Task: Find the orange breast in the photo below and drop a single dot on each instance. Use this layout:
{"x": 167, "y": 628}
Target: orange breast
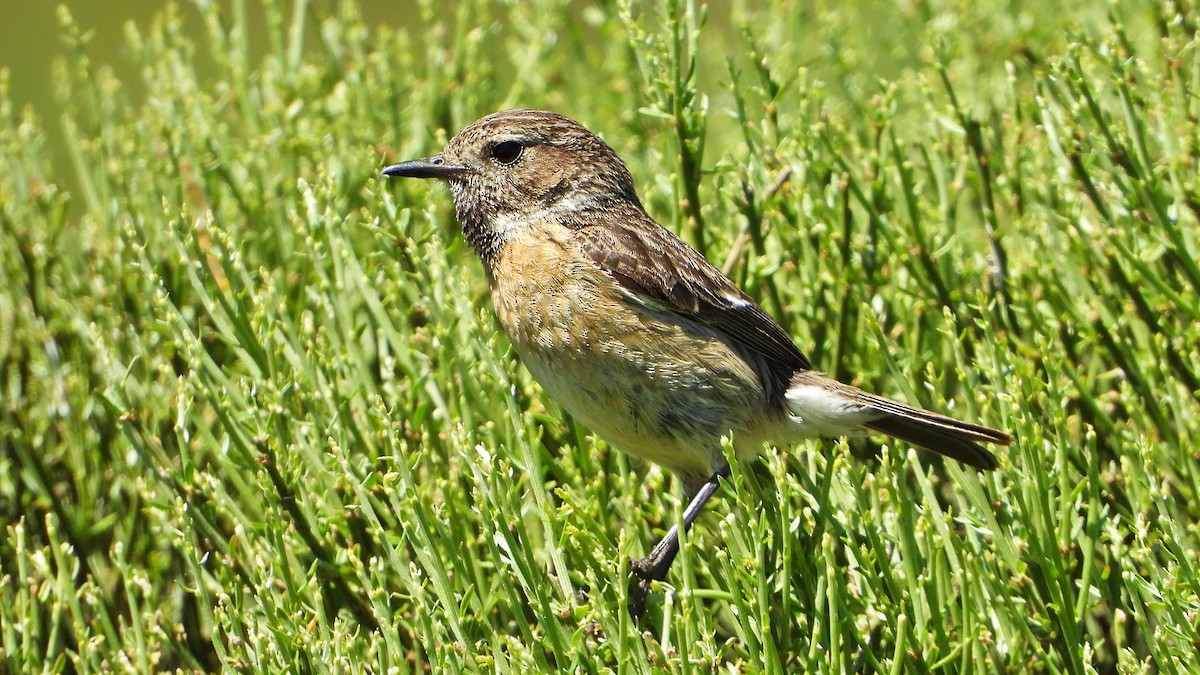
{"x": 649, "y": 382}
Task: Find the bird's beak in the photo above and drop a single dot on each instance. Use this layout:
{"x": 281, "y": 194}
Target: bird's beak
{"x": 430, "y": 167}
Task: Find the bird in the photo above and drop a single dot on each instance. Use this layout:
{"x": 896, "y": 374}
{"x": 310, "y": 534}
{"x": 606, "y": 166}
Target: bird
{"x": 633, "y": 332}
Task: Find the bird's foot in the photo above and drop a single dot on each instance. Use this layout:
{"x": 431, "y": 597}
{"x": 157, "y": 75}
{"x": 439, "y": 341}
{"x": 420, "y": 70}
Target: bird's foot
{"x": 645, "y": 572}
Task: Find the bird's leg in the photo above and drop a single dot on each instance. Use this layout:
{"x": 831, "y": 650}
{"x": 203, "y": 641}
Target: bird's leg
{"x": 654, "y": 567}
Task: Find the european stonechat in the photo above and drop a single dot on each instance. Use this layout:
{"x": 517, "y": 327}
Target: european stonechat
{"x": 632, "y": 331}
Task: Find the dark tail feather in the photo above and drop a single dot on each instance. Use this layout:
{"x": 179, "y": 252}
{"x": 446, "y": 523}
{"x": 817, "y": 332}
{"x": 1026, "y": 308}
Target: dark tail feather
{"x": 932, "y": 431}
{"x": 943, "y": 435}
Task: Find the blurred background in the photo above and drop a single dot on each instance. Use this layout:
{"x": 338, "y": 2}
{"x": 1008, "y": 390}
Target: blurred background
{"x": 852, "y": 48}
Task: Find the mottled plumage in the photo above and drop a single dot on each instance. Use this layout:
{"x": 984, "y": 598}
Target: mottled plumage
{"x": 630, "y": 329}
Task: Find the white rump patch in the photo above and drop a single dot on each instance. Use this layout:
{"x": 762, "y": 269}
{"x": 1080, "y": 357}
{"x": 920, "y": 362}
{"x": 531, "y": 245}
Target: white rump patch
{"x": 817, "y": 411}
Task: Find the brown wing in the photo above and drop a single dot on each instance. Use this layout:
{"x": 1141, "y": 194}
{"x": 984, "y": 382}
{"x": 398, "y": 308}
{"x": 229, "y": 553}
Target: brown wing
{"x": 650, "y": 262}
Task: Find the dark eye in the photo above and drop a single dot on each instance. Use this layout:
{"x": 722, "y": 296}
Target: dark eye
{"x": 507, "y": 152}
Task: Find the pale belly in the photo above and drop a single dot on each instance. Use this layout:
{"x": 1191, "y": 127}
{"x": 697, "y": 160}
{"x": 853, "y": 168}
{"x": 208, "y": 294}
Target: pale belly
{"x": 649, "y": 383}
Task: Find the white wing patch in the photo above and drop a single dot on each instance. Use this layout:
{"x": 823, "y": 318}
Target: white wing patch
{"x": 817, "y": 411}
{"x": 734, "y": 301}
{"x": 644, "y": 301}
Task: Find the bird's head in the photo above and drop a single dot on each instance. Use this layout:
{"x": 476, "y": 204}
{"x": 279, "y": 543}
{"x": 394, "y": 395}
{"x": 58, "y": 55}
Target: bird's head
{"x": 513, "y": 167}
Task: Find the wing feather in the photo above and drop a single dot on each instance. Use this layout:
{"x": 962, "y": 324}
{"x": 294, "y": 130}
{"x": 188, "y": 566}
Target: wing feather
{"x": 651, "y": 262}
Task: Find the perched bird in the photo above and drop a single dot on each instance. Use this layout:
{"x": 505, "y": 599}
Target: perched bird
{"x": 631, "y": 330}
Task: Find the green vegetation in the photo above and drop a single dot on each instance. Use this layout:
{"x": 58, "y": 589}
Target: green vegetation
{"x": 255, "y": 414}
